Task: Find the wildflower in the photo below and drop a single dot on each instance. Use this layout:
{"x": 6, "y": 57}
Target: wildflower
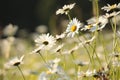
{"x": 73, "y": 27}
{"x": 65, "y": 9}
{"x": 58, "y": 48}
{"x": 94, "y": 24}
{"x": 81, "y": 63}
{"x": 45, "y": 42}
{"x": 111, "y": 7}
{"x": 71, "y": 51}
{"x": 60, "y": 37}
{"x": 43, "y": 76}
{"x": 53, "y": 66}
{"x": 10, "y": 30}
{"x": 80, "y": 74}
{"x": 89, "y": 73}
{"x": 115, "y": 54}
{"x": 113, "y": 14}
{"x": 15, "y": 61}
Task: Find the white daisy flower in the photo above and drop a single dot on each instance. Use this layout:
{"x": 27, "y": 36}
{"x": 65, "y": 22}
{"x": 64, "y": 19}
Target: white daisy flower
{"x": 89, "y": 73}
{"x": 70, "y": 51}
{"x": 94, "y": 25}
{"x": 53, "y": 66}
{"x": 14, "y": 62}
{"x": 73, "y": 27}
{"x": 45, "y": 42}
{"x": 65, "y": 9}
{"x": 110, "y": 7}
{"x": 43, "y": 76}
{"x": 59, "y": 11}
{"x": 113, "y": 14}
{"x": 81, "y": 63}
{"x": 60, "y": 37}
{"x": 58, "y": 48}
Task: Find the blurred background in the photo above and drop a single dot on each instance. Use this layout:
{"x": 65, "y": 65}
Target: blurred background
{"x": 29, "y": 14}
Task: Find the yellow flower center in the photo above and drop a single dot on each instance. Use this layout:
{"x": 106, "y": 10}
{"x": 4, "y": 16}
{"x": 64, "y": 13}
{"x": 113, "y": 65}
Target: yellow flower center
{"x": 73, "y": 28}
{"x": 113, "y": 6}
{"x": 48, "y": 72}
{"x": 88, "y": 26}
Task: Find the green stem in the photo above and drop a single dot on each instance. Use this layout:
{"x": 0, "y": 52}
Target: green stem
{"x": 42, "y": 57}
{"x": 73, "y": 57}
{"x": 21, "y": 72}
{"x": 103, "y": 44}
{"x": 86, "y": 50}
{"x": 69, "y": 17}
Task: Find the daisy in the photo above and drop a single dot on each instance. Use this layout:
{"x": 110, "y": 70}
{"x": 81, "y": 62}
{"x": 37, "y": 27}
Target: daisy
{"x": 94, "y": 24}
{"x": 58, "y": 48}
{"x": 73, "y": 27}
{"x": 81, "y": 63}
{"x": 110, "y": 7}
{"x": 53, "y": 66}
{"x": 109, "y": 15}
{"x": 45, "y": 42}
{"x": 15, "y": 61}
{"x": 65, "y": 9}
{"x": 43, "y": 76}
{"x": 115, "y": 54}
{"x": 89, "y": 73}
{"x": 60, "y": 37}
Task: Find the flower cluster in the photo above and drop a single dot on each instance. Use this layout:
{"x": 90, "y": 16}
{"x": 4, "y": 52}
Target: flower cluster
{"x": 81, "y": 52}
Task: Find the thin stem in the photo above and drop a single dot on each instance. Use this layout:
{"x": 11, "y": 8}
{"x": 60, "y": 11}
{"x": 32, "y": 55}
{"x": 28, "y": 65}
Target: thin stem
{"x": 86, "y": 50}
{"x": 21, "y": 72}
{"x": 73, "y": 57}
{"x": 42, "y": 57}
{"x": 69, "y": 17}
{"x": 103, "y": 44}
{"x": 94, "y": 52}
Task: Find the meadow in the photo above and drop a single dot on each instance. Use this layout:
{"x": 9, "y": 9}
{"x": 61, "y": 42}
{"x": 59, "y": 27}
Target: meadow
{"x": 82, "y": 52}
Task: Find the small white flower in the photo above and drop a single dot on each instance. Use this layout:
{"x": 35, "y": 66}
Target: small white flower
{"x": 14, "y": 62}
{"x": 58, "y": 48}
{"x": 59, "y": 11}
{"x": 89, "y": 73}
{"x": 73, "y": 27}
{"x": 113, "y": 14}
{"x": 65, "y": 9}
{"x": 43, "y": 76}
{"x": 70, "y": 51}
{"x": 60, "y": 37}
{"x": 80, "y": 74}
{"x": 45, "y": 42}
{"x": 53, "y": 66}
{"x": 94, "y": 24}
{"x": 110, "y": 7}
{"x": 81, "y": 63}
{"x": 114, "y": 54}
